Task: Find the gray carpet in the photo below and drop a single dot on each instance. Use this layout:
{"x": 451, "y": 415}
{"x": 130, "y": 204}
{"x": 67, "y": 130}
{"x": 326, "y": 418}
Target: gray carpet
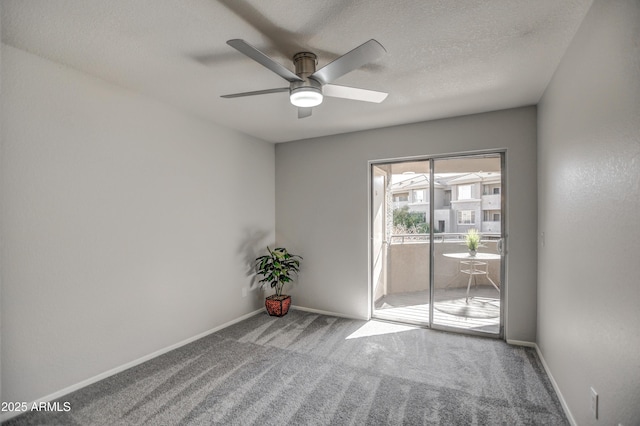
{"x": 309, "y": 369}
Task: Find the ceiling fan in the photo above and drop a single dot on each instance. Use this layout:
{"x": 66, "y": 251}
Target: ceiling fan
{"x": 307, "y": 86}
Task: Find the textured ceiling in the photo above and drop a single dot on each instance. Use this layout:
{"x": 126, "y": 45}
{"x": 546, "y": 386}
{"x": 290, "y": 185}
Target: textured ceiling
{"x": 444, "y": 58}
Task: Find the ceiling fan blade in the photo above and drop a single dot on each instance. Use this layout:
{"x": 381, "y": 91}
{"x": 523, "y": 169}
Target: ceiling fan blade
{"x": 361, "y": 55}
{"x": 304, "y": 112}
{"x": 257, "y": 92}
{"x": 244, "y": 47}
{"x": 353, "y": 93}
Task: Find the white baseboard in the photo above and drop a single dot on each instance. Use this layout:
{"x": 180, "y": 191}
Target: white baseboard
{"x": 565, "y": 407}
{"x": 332, "y": 314}
{"x": 8, "y": 415}
{"x": 521, "y": 343}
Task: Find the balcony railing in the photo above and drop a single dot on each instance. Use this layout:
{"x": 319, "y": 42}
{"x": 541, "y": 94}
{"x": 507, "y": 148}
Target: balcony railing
{"x": 408, "y": 262}
{"x": 442, "y": 237}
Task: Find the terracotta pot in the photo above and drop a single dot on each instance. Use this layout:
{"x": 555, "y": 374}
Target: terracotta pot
{"x": 278, "y": 306}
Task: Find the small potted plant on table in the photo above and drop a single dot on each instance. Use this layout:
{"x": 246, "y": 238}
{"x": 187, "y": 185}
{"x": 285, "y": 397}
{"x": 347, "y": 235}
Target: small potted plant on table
{"x": 473, "y": 241}
{"x": 276, "y": 269}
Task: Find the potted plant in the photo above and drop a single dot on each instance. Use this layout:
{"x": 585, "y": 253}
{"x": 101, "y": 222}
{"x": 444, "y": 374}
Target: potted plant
{"x": 276, "y": 269}
{"x": 472, "y": 240}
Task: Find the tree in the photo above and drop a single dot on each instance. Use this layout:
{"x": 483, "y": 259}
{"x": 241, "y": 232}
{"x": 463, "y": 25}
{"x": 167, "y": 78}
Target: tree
{"x": 410, "y": 222}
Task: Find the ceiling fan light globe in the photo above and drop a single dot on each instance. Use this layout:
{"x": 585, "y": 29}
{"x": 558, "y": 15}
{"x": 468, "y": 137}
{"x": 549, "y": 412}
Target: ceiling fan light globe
{"x": 306, "y": 97}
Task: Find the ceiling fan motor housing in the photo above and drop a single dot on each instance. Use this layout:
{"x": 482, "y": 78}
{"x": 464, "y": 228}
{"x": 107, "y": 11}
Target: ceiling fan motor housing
{"x": 308, "y": 92}
{"x": 305, "y": 63}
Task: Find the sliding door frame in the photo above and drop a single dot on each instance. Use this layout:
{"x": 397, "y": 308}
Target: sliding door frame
{"x": 503, "y": 233}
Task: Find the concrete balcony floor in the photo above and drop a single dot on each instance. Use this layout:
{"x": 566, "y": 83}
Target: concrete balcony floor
{"x": 450, "y": 309}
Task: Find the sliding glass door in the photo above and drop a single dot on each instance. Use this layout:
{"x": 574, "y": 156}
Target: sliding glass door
{"x": 467, "y": 258}
{"x": 427, "y": 215}
{"x": 400, "y": 241}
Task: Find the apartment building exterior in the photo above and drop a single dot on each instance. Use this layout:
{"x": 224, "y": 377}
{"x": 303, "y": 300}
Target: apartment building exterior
{"x": 461, "y": 201}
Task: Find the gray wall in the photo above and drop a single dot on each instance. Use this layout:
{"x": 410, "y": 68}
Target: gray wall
{"x": 589, "y": 269}
{"x": 126, "y": 225}
{"x": 322, "y": 208}
{"x": 1, "y": 237}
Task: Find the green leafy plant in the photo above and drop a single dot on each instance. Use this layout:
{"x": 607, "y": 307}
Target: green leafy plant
{"x": 277, "y": 268}
{"x": 472, "y": 239}
{"x": 407, "y": 222}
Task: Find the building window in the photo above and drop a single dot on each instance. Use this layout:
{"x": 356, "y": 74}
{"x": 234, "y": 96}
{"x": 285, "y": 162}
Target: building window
{"x": 491, "y": 216}
{"x": 464, "y": 192}
{"x": 418, "y": 195}
{"x": 400, "y": 198}
{"x": 491, "y": 189}
{"x": 466, "y": 217}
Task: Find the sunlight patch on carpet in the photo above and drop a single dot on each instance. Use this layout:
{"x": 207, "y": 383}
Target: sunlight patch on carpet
{"x": 376, "y": 328}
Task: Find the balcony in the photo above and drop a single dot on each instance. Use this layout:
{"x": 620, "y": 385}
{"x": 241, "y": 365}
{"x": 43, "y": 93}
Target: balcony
{"x": 491, "y": 202}
{"x": 406, "y": 293}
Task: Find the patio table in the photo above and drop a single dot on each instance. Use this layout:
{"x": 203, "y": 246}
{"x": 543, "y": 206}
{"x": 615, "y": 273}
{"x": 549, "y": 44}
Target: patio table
{"x": 469, "y": 264}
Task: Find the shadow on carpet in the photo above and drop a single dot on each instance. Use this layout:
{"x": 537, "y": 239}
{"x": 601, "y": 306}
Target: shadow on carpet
{"x": 475, "y": 307}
